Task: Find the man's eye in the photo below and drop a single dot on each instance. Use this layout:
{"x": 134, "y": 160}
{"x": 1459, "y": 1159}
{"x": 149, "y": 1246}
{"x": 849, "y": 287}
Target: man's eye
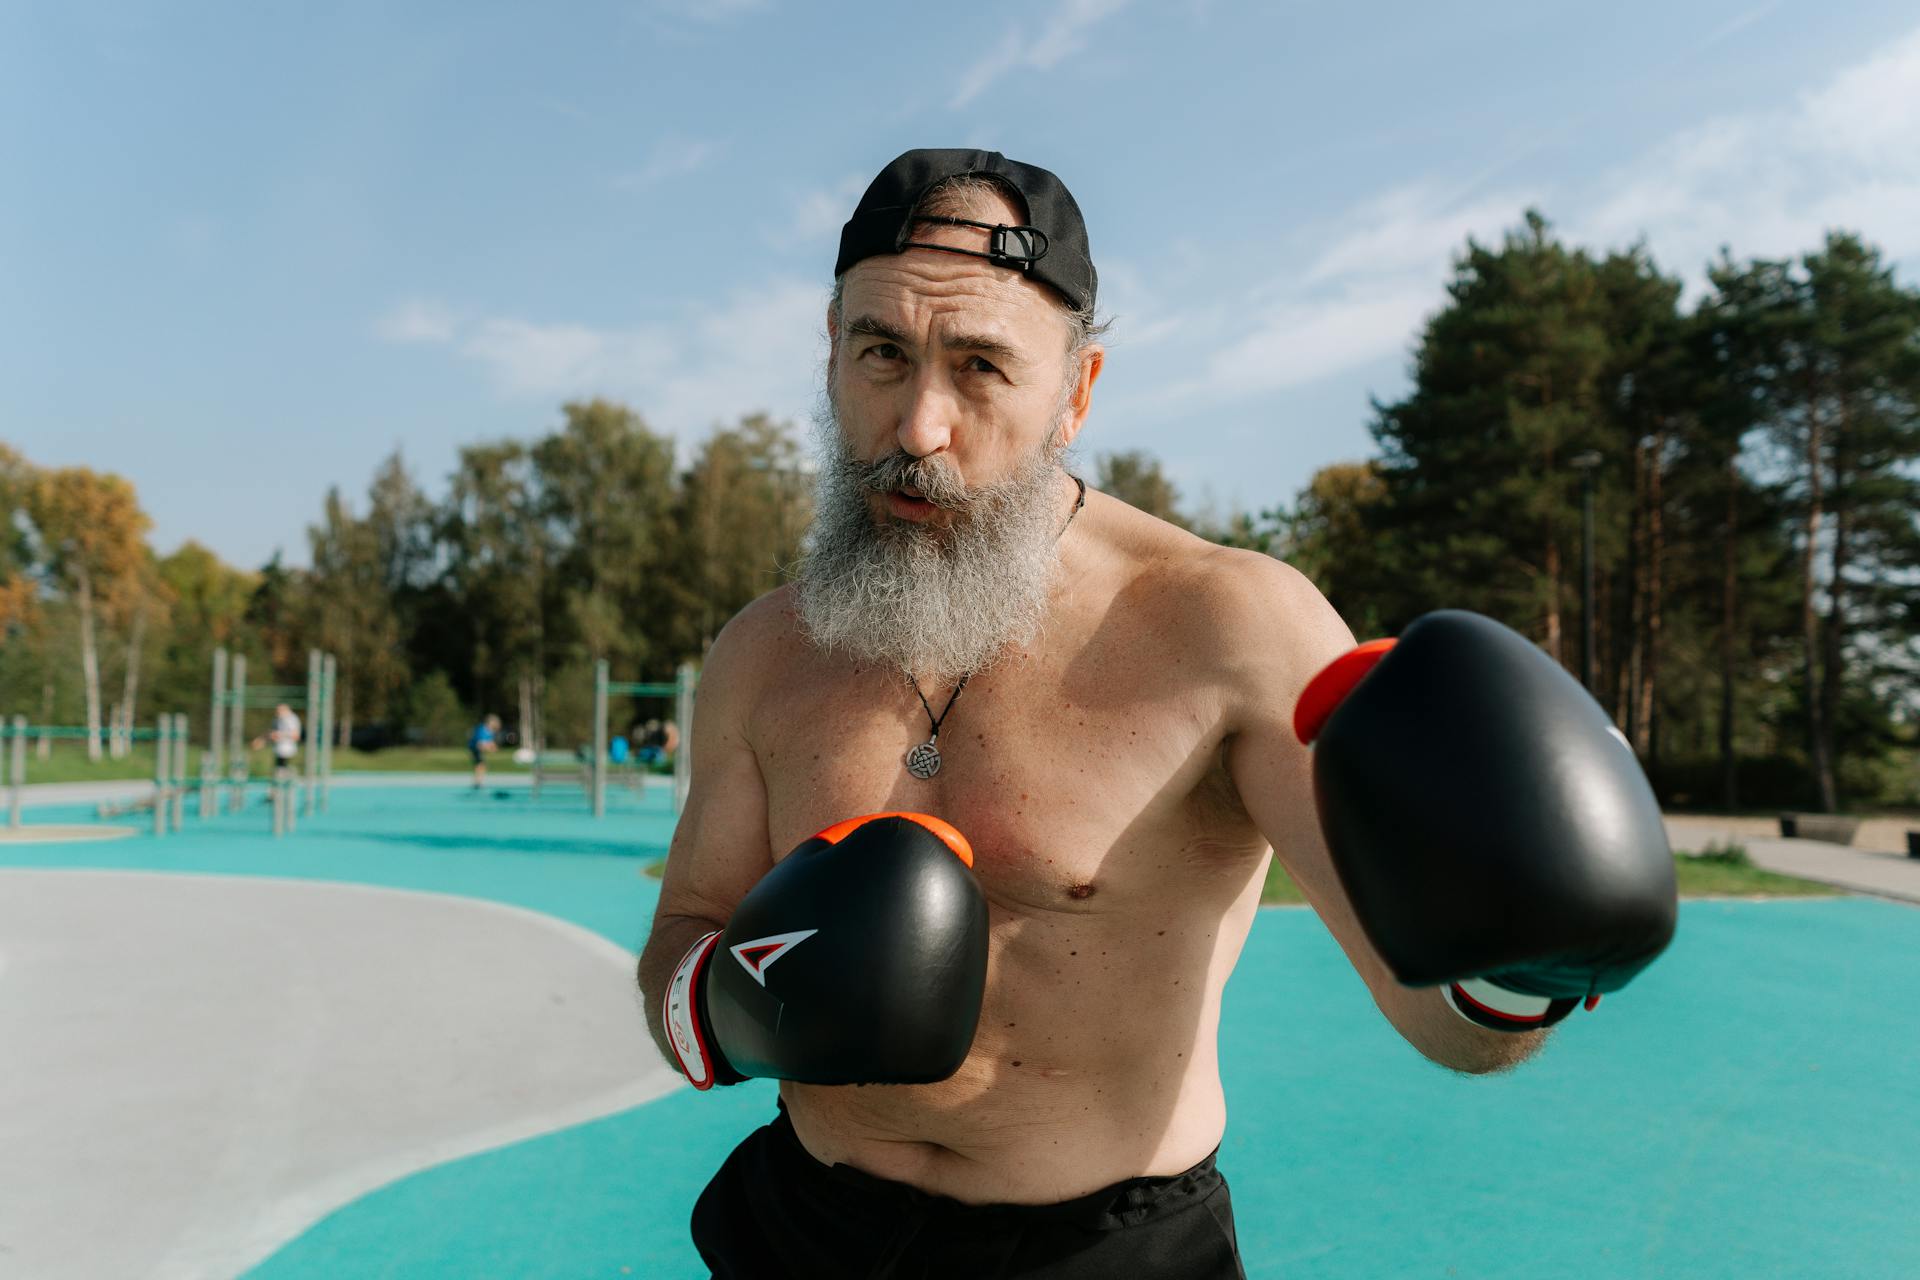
{"x": 980, "y": 364}
{"x": 885, "y": 350}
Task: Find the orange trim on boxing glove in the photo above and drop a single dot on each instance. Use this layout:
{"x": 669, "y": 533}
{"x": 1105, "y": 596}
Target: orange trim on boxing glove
{"x": 944, "y": 831}
{"x": 1336, "y": 680}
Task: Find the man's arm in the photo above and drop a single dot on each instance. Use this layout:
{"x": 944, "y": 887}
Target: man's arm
{"x": 720, "y": 847}
{"x": 1286, "y": 632}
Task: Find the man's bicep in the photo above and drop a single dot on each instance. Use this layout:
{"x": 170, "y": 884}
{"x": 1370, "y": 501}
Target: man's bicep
{"x": 720, "y": 845}
{"x": 1272, "y": 769}
{"x": 1273, "y": 773}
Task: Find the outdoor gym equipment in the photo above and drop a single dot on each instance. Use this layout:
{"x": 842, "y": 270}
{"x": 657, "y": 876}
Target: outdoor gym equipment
{"x": 681, "y": 691}
{"x": 226, "y": 756}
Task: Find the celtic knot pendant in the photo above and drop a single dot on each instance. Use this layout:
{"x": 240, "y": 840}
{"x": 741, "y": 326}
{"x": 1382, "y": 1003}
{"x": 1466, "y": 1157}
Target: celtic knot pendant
{"x": 924, "y": 760}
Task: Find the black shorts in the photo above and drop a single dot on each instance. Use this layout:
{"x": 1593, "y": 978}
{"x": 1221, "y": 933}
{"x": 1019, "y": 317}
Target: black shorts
{"x": 773, "y": 1212}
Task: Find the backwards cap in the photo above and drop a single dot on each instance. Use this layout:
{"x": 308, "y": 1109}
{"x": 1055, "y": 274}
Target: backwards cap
{"x": 1051, "y": 246}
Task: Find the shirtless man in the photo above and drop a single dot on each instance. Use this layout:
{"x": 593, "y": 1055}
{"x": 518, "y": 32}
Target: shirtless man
{"x": 1119, "y": 754}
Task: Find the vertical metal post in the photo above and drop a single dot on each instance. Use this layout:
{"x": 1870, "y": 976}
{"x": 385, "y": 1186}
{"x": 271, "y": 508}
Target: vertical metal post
{"x": 212, "y": 764}
{"x": 598, "y": 777}
{"x": 329, "y": 695}
{"x": 688, "y": 676}
{"x": 182, "y": 740}
{"x": 161, "y": 773}
{"x": 237, "y": 762}
{"x": 18, "y": 754}
{"x": 310, "y": 762}
{"x": 1586, "y": 590}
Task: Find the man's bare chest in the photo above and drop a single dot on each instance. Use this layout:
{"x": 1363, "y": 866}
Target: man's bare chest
{"x": 1071, "y": 803}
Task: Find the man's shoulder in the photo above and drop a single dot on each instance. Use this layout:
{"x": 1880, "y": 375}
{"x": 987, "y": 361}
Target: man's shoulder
{"x": 755, "y": 643}
{"x": 1242, "y": 614}
{"x": 1225, "y": 590}
{"x": 766, "y": 619}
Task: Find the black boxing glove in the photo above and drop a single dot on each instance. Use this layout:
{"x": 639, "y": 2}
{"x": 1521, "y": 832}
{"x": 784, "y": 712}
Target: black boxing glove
{"x": 861, "y": 958}
{"x": 1492, "y": 828}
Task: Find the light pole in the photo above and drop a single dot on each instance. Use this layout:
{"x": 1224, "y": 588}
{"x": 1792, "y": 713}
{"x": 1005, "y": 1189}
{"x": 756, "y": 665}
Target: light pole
{"x": 1586, "y": 463}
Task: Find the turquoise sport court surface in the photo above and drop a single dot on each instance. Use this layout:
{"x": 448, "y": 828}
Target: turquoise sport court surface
{"x": 404, "y": 1042}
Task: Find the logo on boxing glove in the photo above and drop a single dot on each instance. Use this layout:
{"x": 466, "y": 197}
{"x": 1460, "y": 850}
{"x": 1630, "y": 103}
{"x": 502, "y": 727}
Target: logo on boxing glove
{"x": 758, "y": 955}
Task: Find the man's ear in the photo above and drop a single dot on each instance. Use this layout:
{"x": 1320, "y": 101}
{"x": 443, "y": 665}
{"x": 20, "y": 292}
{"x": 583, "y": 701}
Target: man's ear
{"x": 833, "y": 330}
{"x": 1091, "y": 362}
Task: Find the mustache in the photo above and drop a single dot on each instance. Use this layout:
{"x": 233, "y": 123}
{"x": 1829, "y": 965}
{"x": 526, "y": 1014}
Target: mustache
{"x": 932, "y": 476}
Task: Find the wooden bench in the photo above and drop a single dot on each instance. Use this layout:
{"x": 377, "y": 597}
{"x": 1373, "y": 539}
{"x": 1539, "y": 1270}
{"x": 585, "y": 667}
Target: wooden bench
{"x": 1833, "y": 828}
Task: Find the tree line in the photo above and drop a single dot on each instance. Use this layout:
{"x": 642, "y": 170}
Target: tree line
{"x": 544, "y": 556}
{"x": 1751, "y": 456}
{"x": 1754, "y": 462}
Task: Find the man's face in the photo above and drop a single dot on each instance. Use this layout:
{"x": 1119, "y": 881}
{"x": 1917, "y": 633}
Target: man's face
{"x": 950, "y": 358}
{"x": 950, "y": 396}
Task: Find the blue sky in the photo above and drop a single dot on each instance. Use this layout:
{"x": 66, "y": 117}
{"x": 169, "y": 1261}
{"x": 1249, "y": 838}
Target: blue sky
{"x": 246, "y": 250}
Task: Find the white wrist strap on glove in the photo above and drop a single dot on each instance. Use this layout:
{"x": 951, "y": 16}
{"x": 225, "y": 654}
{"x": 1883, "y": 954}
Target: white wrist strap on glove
{"x": 681, "y": 1015}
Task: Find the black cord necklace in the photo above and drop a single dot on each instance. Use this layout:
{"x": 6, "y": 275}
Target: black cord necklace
{"x": 924, "y": 760}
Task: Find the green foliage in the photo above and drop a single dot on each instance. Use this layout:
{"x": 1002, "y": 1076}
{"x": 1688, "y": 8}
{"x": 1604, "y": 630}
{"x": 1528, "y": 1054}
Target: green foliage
{"x": 434, "y": 716}
{"x": 1134, "y": 476}
{"x": 1279, "y": 889}
{"x": 744, "y": 503}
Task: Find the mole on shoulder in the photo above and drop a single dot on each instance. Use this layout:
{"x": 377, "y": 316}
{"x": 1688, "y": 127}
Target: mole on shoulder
{"x": 1080, "y": 891}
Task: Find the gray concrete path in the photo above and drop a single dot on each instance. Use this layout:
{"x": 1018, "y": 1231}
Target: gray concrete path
{"x": 1878, "y": 871}
{"x": 195, "y": 1069}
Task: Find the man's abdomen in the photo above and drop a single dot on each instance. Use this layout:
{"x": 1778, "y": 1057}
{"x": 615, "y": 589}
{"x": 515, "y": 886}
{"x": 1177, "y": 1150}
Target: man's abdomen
{"x": 1094, "y": 1062}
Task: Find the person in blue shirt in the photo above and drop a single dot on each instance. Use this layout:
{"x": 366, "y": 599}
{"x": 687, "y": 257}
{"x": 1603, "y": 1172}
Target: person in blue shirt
{"x": 481, "y": 743}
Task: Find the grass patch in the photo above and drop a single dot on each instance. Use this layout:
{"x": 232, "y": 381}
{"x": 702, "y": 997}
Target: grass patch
{"x": 1280, "y": 890}
{"x": 1721, "y": 871}
{"x": 68, "y": 763}
{"x": 1726, "y": 871}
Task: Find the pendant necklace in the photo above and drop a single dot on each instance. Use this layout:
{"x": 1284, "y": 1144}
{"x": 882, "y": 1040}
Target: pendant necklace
{"x": 924, "y": 760}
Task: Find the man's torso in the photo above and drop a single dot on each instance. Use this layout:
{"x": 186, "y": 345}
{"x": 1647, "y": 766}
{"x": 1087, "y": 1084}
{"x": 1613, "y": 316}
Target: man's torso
{"x": 1120, "y": 869}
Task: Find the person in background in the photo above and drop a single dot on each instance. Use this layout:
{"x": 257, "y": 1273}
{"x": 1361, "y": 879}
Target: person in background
{"x": 285, "y": 737}
{"x": 481, "y": 743}
{"x": 659, "y": 740}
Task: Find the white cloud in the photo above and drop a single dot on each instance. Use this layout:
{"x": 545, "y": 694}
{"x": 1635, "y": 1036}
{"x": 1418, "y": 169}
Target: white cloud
{"x": 561, "y": 359}
{"x": 1061, "y": 36}
{"x": 759, "y": 351}
{"x": 820, "y": 213}
{"x": 672, "y": 158}
{"x": 1738, "y": 23}
{"x": 1411, "y": 230}
{"x": 1771, "y": 183}
{"x": 1767, "y": 183}
{"x": 709, "y": 11}
{"x": 1363, "y": 297}
{"x": 416, "y": 320}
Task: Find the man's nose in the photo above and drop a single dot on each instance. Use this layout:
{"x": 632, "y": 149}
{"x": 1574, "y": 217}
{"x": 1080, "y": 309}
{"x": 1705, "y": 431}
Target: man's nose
{"x": 927, "y": 419}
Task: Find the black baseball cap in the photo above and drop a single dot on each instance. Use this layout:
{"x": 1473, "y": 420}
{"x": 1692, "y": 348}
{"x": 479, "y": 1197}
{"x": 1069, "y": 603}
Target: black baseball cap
{"x": 1051, "y": 246}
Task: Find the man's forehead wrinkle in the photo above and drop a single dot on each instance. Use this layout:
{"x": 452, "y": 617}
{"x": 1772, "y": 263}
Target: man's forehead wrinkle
{"x": 925, "y": 291}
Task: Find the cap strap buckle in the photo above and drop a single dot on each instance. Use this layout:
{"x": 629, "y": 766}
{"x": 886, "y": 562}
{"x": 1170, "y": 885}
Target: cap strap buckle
{"x": 1018, "y": 247}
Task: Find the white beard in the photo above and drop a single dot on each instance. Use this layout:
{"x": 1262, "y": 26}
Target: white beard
{"x": 936, "y": 603}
